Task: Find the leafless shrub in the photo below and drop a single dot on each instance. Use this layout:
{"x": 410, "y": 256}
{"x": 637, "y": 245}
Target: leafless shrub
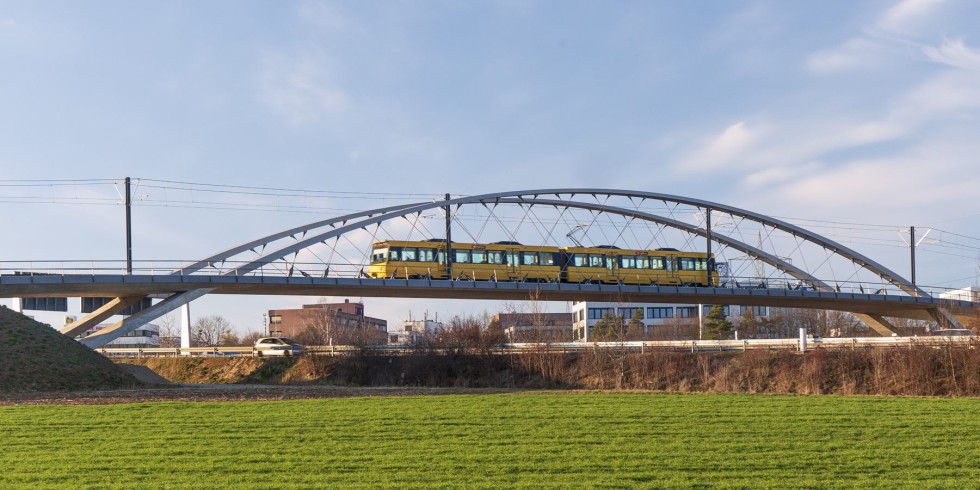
{"x": 211, "y": 330}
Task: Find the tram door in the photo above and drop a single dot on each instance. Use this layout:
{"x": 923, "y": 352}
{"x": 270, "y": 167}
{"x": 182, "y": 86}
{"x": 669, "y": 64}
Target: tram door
{"x": 513, "y": 264}
{"x": 612, "y": 269}
{"x": 673, "y": 277}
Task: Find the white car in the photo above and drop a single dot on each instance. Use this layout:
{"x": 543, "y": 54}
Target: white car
{"x": 277, "y": 346}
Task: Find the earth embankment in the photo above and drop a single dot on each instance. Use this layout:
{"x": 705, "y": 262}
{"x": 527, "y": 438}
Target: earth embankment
{"x": 36, "y": 357}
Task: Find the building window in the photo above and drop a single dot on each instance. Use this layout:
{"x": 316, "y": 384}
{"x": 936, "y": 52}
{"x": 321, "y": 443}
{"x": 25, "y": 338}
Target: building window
{"x": 45, "y": 304}
{"x": 275, "y": 319}
{"x": 687, "y": 311}
{"x": 664, "y": 312}
{"x": 628, "y": 313}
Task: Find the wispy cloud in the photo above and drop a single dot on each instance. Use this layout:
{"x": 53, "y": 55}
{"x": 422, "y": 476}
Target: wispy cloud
{"x": 954, "y": 53}
{"x": 887, "y": 34}
{"x": 905, "y": 14}
{"x": 723, "y": 149}
{"x": 854, "y": 53}
{"x": 302, "y": 91}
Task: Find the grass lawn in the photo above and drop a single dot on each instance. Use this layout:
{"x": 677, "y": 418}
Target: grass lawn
{"x": 505, "y": 440}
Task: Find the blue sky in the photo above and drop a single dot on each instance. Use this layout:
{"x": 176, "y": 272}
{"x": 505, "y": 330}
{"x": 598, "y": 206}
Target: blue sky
{"x": 860, "y": 112}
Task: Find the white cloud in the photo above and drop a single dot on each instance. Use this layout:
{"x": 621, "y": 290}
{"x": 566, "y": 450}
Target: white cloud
{"x": 725, "y": 148}
{"x": 779, "y": 175}
{"x": 926, "y": 179}
{"x": 904, "y": 15}
{"x": 880, "y": 41}
{"x": 786, "y": 151}
{"x": 954, "y": 53}
{"x": 854, "y": 53}
{"x": 302, "y": 91}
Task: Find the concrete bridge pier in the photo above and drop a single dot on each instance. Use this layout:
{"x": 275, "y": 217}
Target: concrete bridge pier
{"x": 185, "y": 326}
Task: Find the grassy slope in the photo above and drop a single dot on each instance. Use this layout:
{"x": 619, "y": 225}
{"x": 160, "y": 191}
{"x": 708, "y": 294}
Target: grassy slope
{"x": 493, "y": 441}
{"x": 33, "y": 356}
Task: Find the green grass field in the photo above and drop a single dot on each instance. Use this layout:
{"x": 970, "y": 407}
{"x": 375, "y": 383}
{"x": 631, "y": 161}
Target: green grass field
{"x": 505, "y": 440}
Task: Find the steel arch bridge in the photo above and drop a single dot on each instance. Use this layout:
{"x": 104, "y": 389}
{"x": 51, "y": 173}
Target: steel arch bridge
{"x": 786, "y": 265}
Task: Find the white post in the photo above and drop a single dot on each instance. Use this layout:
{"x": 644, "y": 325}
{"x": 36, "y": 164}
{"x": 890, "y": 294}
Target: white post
{"x": 18, "y": 305}
{"x": 802, "y": 340}
{"x": 700, "y": 321}
{"x": 185, "y": 326}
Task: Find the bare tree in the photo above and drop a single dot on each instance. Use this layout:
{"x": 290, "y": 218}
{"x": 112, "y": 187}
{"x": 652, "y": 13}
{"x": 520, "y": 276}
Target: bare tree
{"x": 211, "y": 330}
{"x": 250, "y": 338}
{"x": 325, "y": 327}
{"x": 169, "y": 332}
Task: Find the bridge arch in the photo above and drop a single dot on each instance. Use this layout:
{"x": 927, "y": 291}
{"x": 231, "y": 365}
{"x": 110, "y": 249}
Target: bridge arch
{"x": 270, "y": 250}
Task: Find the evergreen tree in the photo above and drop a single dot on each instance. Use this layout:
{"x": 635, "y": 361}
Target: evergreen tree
{"x": 716, "y": 324}
{"x": 609, "y": 328}
{"x": 635, "y": 330}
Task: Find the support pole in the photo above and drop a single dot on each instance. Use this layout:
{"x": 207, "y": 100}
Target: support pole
{"x": 129, "y": 229}
{"x": 912, "y": 243}
{"x": 700, "y": 321}
{"x": 449, "y": 240}
{"x": 708, "y": 238}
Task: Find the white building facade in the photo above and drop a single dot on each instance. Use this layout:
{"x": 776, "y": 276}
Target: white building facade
{"x": 585, "y": 315}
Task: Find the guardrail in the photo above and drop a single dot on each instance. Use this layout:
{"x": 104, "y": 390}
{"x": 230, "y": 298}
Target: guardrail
{"x": 573, "y": 347}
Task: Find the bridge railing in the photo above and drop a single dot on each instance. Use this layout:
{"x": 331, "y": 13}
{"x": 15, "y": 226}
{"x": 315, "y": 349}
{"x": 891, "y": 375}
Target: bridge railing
{"x": 157, "y": 268}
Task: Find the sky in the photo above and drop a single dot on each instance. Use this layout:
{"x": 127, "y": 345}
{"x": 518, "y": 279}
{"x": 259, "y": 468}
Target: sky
{"x": 840, "y": 111}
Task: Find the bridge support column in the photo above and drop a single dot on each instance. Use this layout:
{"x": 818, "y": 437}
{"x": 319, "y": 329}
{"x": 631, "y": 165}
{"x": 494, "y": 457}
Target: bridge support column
{"x": 113, "y": 307}
{"x": 877, "y": 323}
{"x": 185, "y": 326}
{"x": 143, "y": 317}
{"x": 18, "y": 305}
{"x": 943, "y": 318}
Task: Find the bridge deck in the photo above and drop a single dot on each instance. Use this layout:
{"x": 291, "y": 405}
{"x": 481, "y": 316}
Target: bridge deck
{"x": 124, "y": 285}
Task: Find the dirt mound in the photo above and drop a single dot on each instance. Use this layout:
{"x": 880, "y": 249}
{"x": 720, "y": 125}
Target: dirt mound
{"x": 36, "y": 357}
{"x": 210, "y": 370}
{"x": 144, "y": 374}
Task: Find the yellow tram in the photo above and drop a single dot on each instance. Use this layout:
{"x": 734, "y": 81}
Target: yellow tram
{"x": 512, "y": 261}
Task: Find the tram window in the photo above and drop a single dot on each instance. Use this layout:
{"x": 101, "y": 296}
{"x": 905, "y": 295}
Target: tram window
{"x": 702, "y": 265}
{"x": 610, "y": 262}
{"x": 529, "y": 258}
{"x": 547, "y": 258}
{"x": 380, "y": 255}
{"x": 686, "y": 264}
{"x": 657, "y": 263}
{"x": 495, "y": 257}
{"x": 627, "y": 262}
{"x": 442, "y": 257}
{"x": 410, "y": 254}
{"x": 396, "y": 254}
{"x": 642, "y": 262}
{"x": 579, "y": 260}
{"x": 595, "y": 261}
{"x": 461, "y": 256}
{"x": 512, "y": 258}
{"x": 479, "y": 256}
{"x": 427, "y": 255}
